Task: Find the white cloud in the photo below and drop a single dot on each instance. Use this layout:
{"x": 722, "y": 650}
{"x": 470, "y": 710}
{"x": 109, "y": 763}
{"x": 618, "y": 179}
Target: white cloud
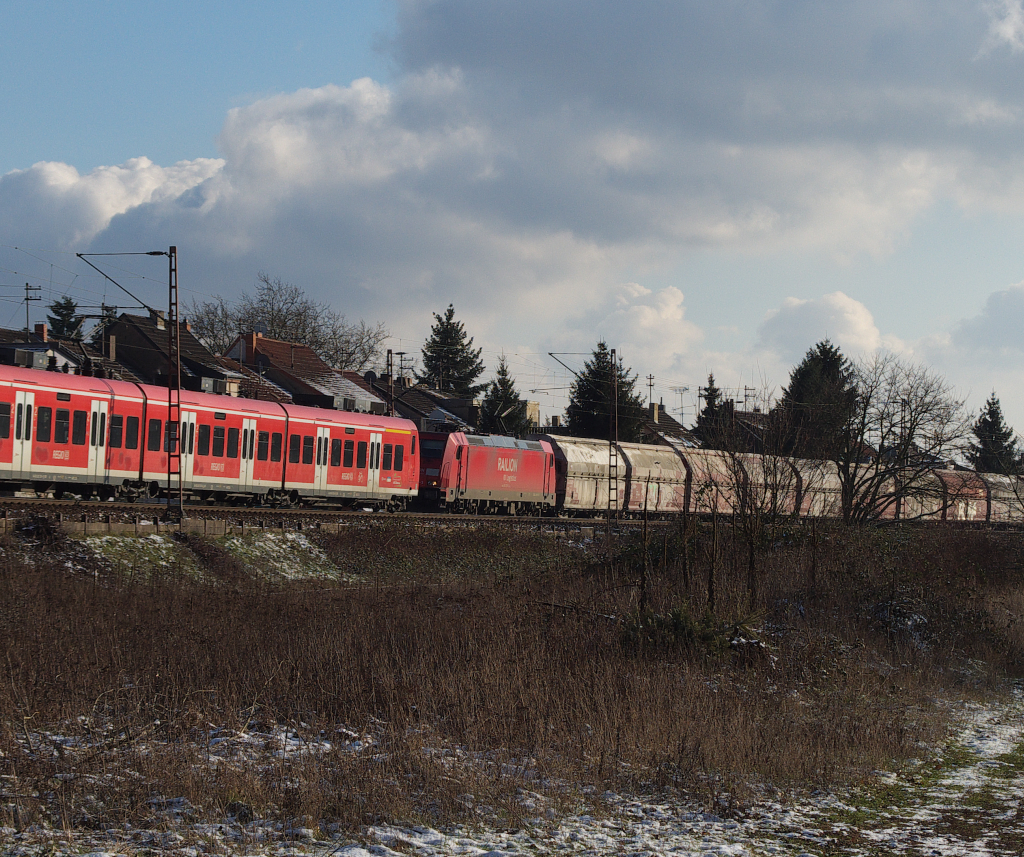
{"x": 798, "y": 324}
{"x": 1006, "y": 26}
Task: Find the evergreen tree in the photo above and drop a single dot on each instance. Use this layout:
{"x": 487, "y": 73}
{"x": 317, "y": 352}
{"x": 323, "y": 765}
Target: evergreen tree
{"x": 815, "y": 409}
{"x": 64, "y": 320}
{"x": 996, "y": 448}
{"x": 715, "y": 421}
{"x": 590, "y": 399}
{"x": 503, "y": 411}
{"x": 450, "y": 363}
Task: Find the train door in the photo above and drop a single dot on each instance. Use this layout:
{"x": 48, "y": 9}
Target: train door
{"x": 248, "y": 453}
{"x": 323, "y": 448}
{"x": 21, "y": 460}
{"x": 188, "y": 445}
{"x": 373, "y": 465}
{"x": 98, "y": 441}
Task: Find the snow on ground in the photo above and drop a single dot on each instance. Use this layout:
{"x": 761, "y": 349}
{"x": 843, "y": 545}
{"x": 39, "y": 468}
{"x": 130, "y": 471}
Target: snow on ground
{"x": 966, "y": 799}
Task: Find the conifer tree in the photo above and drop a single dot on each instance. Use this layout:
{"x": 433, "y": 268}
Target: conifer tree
{"x": 715, "y": 420}
{"x": 590, "y": 399}
{"x": 995, "y": 450}
{"x": 503, "y": 410}
{"x": 816, "y": 407}
{"x": 450, "y": 363}
{"x": 64, "y": 320}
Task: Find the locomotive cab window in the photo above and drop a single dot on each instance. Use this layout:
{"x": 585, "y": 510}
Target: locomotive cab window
{"x": 44, "y": 424}
{"x": 79, "y": 425}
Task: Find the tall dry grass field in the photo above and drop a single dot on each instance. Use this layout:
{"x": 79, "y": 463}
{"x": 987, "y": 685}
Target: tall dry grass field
{"x": 485, "y": 662}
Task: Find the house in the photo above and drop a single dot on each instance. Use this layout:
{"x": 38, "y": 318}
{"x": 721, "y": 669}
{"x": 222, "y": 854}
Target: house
{"x": 298, "y": 370}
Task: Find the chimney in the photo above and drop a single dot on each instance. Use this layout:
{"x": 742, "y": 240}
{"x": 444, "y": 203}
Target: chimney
{"x": 158, "y": 318}
{"x": 41, "y": 330}
{"x": 655, "y": 411}
{"x": 110, "y": 346}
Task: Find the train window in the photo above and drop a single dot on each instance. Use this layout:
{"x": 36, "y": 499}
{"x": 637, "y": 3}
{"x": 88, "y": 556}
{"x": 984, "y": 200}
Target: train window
{"x": 399, "y": 454}
{"x": 413, "y": 450}
{"x": 79, "y": 427}
{"x": 263, "y": 447}
{"x": 44, "y": 422}
{"x": 203, "y": 447}
{"x": 191, "y": 438}
{"x": 321, "y": 455}
{"x": 116, "y": 429}
{"x": 361, "y": 455}
{"x": 17, "y": 421}
{"x": 350, "y": 446}
{"x": 63, "y": 397}
{"x": 171, "y": 436}
{"x": 294, "y": 448}
{"x": 220, "y": 415}
{"x": 5, "y": 419}
{"x": 99, "y": 430}
{"x": 252, "y": 442}
{"x": 232, "y": 443}
{"x": 218, "y": 441}
{"x": 131, "y": 433}
{"x": 386, "y": 464}
{"x": 336, "y": 452}
{"x": 61, "y": 425}
{"x": 276, "y": 440}
{"x": 350, "y": 430}
{"x": 153, "y": 441}
{"x": 307, "y": 449}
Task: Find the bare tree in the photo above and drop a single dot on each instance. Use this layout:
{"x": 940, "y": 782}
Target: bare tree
{"x": 287, "y": 313}
{"x": 906, "y": 422}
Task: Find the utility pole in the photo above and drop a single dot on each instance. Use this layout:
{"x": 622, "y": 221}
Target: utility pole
{"x": 28, "y": 289}
{"x": 650, "y": 389}
{"x": 391, "y": 384}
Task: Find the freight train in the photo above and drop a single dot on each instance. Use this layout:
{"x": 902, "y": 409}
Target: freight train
{"x": 87, "y": 436}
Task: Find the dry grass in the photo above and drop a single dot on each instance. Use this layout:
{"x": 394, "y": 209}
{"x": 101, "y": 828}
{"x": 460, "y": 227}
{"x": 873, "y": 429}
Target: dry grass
{"x": 484, "y": 663}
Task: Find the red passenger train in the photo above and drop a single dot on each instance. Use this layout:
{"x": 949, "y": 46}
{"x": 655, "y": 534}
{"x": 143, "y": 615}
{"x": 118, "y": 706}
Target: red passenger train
{"x": 90, "y": 436}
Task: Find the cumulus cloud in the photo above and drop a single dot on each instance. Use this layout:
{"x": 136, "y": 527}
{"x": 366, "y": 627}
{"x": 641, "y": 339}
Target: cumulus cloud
{"x": 51, "y": 204}
{"x": 999, "y": 326}
{"x": 798, "y": 324}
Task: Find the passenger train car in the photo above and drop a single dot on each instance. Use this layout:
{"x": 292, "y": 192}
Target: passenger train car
{"x": 112, "y": 438}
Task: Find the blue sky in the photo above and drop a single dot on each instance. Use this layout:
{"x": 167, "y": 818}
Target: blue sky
{"x": 710, "y": 187}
